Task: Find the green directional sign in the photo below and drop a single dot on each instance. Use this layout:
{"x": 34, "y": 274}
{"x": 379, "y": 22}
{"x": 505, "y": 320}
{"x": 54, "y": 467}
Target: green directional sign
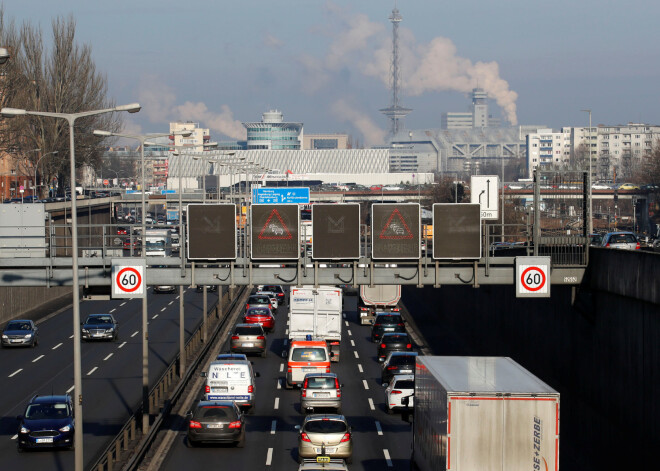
{"x": 336, "y": 231}
{"x": 395, "y": 231}
{"x": 456, "y": 231}
{"x": 211, "y": 231}
{"x": 275, "y": 232}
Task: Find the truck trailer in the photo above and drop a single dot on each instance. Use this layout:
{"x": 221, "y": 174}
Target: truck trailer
{"x": 379, "y": 298}
{"x": 483, "y": 413}
{"x": 316, "y": 313}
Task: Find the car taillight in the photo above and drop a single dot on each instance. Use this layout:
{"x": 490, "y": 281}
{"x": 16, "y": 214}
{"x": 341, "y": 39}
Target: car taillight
{"x": 247, "y": 306}
{"x": 395, "y": 392}
{"x": 236, "y": 424}
{"x": 409, "y": 346}
{"x": 194, "y": 424}
{"x": 289, "y": 370}
{"x": 345, "y": 438}
{"x": 376, "y": 325}
{"x": 395, "y": 309}
{"x": 261, "y": 337}
{"x": 391, "y": 368}
{"x": 234, "y": 337}
{"x": 305, "y": 383}
{"x": 400, "y": 325}
{"x": 637, "y": 247}
{"x": 607, "y": 245}
{"x": 303, "y": 392}
{"x": 250, "y": 388}
{"x": 337, "y": 387}
{"x": 207, "y": 389}
{"x": 382, "y": 345}
{"x": 327, "y": 369}
{"x": 304, "y": 437}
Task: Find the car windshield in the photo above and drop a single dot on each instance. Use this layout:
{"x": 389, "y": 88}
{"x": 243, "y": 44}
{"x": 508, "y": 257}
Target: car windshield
{"x": 274, "y": 289}
{"x": 622, "y": 239}
{"x": 18, "y": 326}
{"x": 47, "y": 411}
{"x": 215, "y": 413}
{"x": 259, "y": 300}
{"x": 325, "y": 426}
{"x": 308, "y": 354}
{"x": 321, "y": 383}
{"x": 99, "y": 320}
{"x": 249, "y": 331}
{"x": 388, "y": 319}
{"x": 404, "y": 384}
{"x": 398, "y": 338}
{"x": 258, "y": 312}
{"x": 398, "y": 360}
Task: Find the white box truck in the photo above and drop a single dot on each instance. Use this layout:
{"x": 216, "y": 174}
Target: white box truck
{"x": 316, "y": 313}
{"x": 158, "y": 242}
{"x": 379, "y": 298}
{"x": 483, "y": 413}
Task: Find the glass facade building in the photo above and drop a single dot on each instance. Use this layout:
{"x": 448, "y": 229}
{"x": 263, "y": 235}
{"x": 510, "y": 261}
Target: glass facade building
{"x": 272, "y": 133}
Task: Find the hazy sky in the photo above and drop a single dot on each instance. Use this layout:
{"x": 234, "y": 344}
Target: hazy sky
{"x": 326, "y": 63}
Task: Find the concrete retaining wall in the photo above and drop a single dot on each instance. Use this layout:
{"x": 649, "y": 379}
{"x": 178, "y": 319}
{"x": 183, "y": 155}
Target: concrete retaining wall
{"x": 31, "y": 302}
{"x": 600, "y": 350}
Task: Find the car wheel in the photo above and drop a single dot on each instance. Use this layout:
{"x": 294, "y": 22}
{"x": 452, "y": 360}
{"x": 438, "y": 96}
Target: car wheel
{"x": 287, "y": 385}
{"x": 34, "y": 344}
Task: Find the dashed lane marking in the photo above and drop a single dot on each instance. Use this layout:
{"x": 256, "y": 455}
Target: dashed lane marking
{"x": 281, "y": 367}
{"x": 269, "y": 457}
{"x": 70, "y": 336}
{"x": 171, "y": 302}
{"x": 15, "y": 372}
{"x": 92, "y": 370}
{"x": 285, "y": 341}
{"x": 277, "y": 403}
{"x": 364, "y": 382}
{"x": 350, "y": 334}
{"x": 108, "y": 357}
{"x": 352, "y": 343}
{"x": 360, "y": 368}
{"x": 122, "y": 304}
{"x": 387, "y": 458}
{"x": 356, "y": 354}
{"x": 14, "y": 437}
{"x": 272, "y": 427}
{"x": 122, "y": 345}
{"x": 371, "y": 404}
{"x": 38, "y": 358}
{"x": 346, "y": 322}
{"x": 113, "y": 310}
{"x": 135, "y": 333}
{"x": 162, "y": 310}
{"x": 378, "y": 428}
{"x": 155, "y": 315}
{"x": 56, "y": 346}
{"x": 70, "y": 389}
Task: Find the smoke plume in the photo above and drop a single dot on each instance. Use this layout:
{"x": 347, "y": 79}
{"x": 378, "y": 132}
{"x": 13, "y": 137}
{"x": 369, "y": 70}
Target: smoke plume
{"x": 372, "y": 134}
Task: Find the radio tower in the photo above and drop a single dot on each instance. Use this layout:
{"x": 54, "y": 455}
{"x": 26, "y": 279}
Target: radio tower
{"x": 395, "y": 112}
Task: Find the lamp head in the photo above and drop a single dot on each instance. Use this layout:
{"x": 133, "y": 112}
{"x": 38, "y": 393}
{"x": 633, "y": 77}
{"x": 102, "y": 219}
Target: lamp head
{"x": 99, "y": 132}
{"x": 132, "y": 108}
{"x": 11, "y": 112}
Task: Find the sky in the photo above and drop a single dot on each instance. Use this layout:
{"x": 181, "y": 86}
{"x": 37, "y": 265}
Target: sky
{"x": 327, "y": 63}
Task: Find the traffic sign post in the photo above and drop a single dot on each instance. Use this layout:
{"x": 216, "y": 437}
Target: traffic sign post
{"x": 336, "y": 231}
{"x": 456, "y": 231}
{"x": 484, "y": 192}
{"x": 533, "y": 277}
{"x": 211, "y": 231}
{"x": 274, "y": 231}
{"x": 297, "y": 195}
{"x": 128, "y": 278}
{"x": 395, "y": 231}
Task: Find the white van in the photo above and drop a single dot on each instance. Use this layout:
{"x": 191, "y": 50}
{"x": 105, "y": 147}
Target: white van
{"x": 231, "y": 380}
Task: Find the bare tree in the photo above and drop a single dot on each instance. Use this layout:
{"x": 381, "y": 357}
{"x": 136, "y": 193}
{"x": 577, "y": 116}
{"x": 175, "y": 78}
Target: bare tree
{"x": 649, "y": 168}
{"x": 63, "y": 79}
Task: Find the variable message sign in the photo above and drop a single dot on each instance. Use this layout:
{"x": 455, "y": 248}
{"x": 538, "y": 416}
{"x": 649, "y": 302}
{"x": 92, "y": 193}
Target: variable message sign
{"x": 456, "y": 231}
{"x": 275, "y": 232}
{"x": 395, "y": 231}
{"x": 336, "y": 231}
{"x": 211, "y": 231}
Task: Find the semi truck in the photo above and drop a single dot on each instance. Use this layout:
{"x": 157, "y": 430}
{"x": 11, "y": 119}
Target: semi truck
{"x": 482, "y": 413}
{"x": 379, "y": 298}
{"x": 316, "y": 314}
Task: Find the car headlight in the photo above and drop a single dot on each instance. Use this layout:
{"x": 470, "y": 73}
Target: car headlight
{"x": 111, "y": 329}
{"x": 84, "y": 330}
{"x": 24, "y": 430}
{"x": 4, "y": 336}
{"x": 66, "y": 428}
{"x": 27, "y": 336}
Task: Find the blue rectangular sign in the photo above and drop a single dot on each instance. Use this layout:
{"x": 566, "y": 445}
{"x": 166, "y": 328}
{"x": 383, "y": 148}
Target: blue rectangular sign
{"x": 297, "y": 195}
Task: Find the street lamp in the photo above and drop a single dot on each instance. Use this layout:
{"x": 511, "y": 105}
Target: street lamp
{"x": 590, "y": 228}
{"x": 77, "y": 366}
{"x": 35, "y": 172}
{"x": 4, "y": 55}
{"x": 212, "y": 160}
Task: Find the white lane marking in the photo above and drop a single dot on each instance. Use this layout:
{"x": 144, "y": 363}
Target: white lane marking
{"x": 371, "y": 404}
{"x": 285, "y": 341}
{"x": 108, "y": 357}
{"x": 92, "y": 370}
{"x": 71, "y": 336}
{"x": 343, "y": 314}
{"x": 14, "y": 437}
{"x": 346, "y": 322}
{"x": 56, "y": 346}
{"x": 163, "y": 309}
{"x": 349, "y": 332}
{"x": 356, "y": 354}
{"x": 352, "y": 343}
{"x": 135, "y": 333}
{"x": 360, "y": 368}
{"x": 387, "y": 458}
{"x": 281, "y": 367}
{"x": 71, "y": 389}
{"x": 272, "y": 427}
{"x": 277, "y": 403}
{"x": 122, "y": 345}
{"x": 155, "y": 315}
{"x": 171, "y": 302}
{"x": 38, "y": 358}
{"x": 378, "y": 428}
{"x": 15, "y": 372}
{"x": 364, "y": 382}
{"x": 176, "y": 297}
{"x": 286, "y": 332}
{"x": 113, "y": 310}
{"x": 122, "y": 304}
{"x": 269, "y": 457}
{"x": 279, "y": 384}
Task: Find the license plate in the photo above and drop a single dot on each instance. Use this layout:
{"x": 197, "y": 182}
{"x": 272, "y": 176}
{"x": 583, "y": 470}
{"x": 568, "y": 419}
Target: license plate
{"x": 406, "y": 371}
{"x": 214, "y": 426}
{"x": 327, "y": 450}
{"x": 44, "y": 440}
{"x": 248, "y": 344}
{"x": 309, "y": 369}
{"x": 389, "y": 329}
{"x": 219, "y": 390}
{"x": 16, "y": 340}
{"x": 322, "y": 394}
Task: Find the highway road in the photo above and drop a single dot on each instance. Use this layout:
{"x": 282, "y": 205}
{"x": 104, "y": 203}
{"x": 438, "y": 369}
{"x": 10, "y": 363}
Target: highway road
{"x": 112, "y": 372}
{"x": 381, "y": 441}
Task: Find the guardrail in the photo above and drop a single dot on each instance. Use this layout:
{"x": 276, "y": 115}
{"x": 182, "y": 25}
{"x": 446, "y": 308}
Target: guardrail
{"x": 159, "y": 401}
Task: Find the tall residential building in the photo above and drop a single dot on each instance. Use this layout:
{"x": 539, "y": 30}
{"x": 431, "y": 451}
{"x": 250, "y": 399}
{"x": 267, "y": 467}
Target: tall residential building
{"x": 273, "y": 133}
{"x": 196, "y": 140}
{"x": 546, "y": 148}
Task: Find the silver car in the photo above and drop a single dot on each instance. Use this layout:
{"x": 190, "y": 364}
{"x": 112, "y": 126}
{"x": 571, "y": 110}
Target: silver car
{"x": 620, "y": 240}
{"x": 248, "y": 338}
{"x": 327, "y": 435}
{"x": 320, "y": 390}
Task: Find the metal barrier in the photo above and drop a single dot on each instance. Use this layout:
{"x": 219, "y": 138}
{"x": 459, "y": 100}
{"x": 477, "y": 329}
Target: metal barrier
{"x": 159, "y": 401}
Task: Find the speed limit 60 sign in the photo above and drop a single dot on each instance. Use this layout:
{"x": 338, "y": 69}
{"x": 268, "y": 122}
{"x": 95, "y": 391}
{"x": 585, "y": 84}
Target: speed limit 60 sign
{"x": 128, "y": 278}
{"x": 533, "y": 277}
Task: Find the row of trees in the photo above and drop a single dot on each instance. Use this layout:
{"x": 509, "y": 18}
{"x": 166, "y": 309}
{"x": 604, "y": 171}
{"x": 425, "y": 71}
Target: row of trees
{"x": 60, "y": 78}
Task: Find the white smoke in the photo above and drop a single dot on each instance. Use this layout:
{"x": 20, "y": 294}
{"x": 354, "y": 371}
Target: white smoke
{"x": 372, "y": 134}
{"x": 159, "y": 104}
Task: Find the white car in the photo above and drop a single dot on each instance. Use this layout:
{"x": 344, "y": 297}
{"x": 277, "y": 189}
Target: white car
{"x": 399, "y": 387}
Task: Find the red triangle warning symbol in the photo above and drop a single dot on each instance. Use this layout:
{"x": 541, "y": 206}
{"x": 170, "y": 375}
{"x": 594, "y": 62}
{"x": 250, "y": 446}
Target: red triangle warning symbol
{"x": 275, "y": 229}
{"x": 396, "y": 228}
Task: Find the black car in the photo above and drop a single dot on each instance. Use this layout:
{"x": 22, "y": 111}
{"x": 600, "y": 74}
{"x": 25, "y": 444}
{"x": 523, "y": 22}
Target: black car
{"x": 393, "y": 342}
{"x": 47, "y": 422}
{"x": 217, "y": 422}
{"x": 398, "y": 363}
{"x": 20, "y": 333}
{"x": 277, "y": 289}
{"x": 209, "y": 288}
{"x": 386, "y": 322}
{"x": 100, "y": 327}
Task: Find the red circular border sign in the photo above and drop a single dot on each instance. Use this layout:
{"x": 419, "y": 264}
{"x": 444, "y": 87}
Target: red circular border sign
{"x": 522, "y": 279}
{"x": 137, "y": 273}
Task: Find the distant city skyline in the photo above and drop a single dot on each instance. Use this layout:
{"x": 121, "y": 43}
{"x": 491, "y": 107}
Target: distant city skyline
{"x": 326, "y": 63}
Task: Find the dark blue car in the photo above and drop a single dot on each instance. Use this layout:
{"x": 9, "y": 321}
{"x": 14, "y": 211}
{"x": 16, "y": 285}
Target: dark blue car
{"x": 47, "y": 423}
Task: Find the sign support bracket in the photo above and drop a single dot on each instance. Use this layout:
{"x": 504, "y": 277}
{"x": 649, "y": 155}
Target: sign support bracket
{"x": 316, "y": 274}
{"x": 355, "y": 274}
{"x": 232, "y": 285}
{"x": 371, "y": 275}
{"x": 475, "y": 275}
{"x": 192, "y": 273}
{"x": 250, "y": 275}
{"x": 419, "y": 274}
{"x": 437, "y": 275}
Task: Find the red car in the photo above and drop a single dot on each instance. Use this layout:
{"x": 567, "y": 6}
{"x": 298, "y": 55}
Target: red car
{"x": 260, "y": 315}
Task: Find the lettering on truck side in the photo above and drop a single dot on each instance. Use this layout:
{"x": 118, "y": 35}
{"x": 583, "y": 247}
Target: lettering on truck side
{"x": 537, "y": 443}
